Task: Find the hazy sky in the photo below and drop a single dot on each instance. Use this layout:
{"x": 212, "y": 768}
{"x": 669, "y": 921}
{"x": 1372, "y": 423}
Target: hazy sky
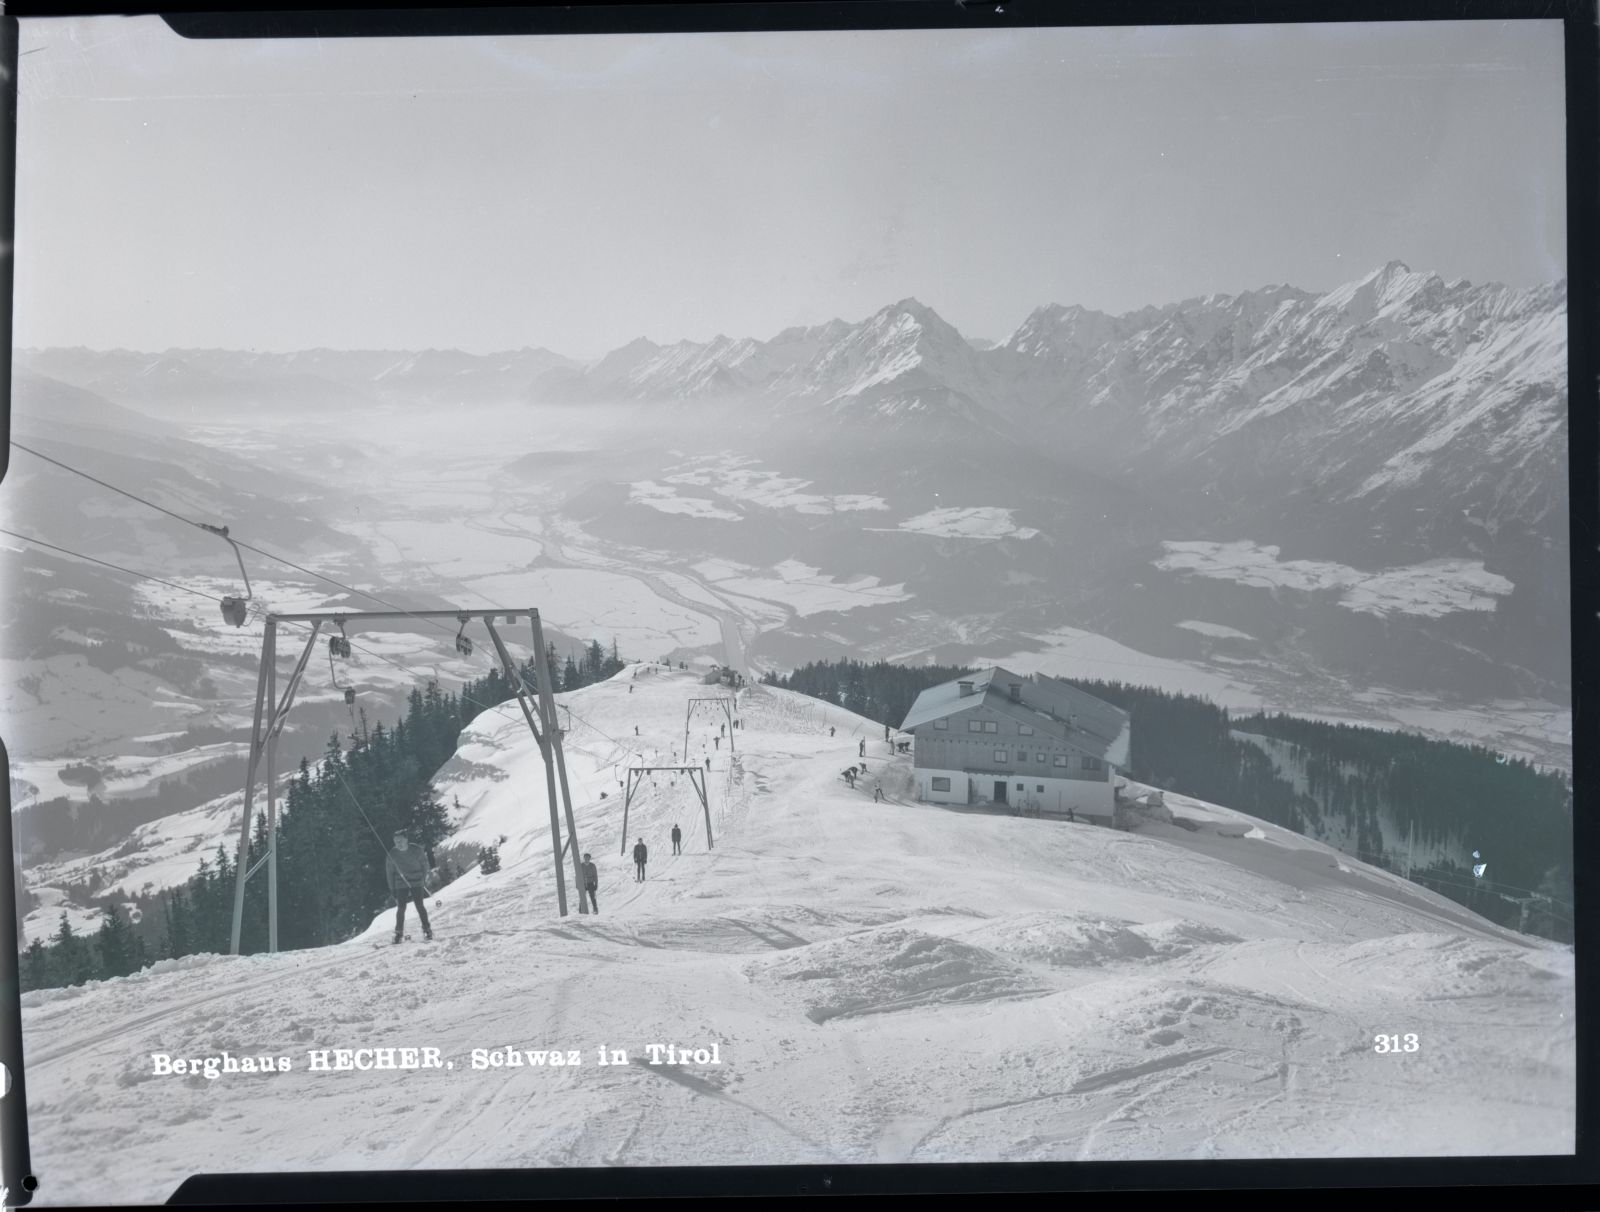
{"x": 577, "y": 193}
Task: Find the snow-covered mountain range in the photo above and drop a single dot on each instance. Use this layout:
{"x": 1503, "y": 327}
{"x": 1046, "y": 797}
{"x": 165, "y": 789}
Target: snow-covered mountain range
{"x": 1399, "y": 387}
{"x": 1399, "y": 391}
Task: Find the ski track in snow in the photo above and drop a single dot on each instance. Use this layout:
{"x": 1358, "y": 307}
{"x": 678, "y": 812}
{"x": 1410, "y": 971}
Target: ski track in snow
{"x": 886, "y": 982}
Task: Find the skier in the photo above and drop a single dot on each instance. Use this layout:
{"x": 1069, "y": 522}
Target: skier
{"x": 863, "y": 748}
{"x": 630, "y": 687}
{"x": 830, "y": 729}
{"x": 640, "y": 854}
{"x": 636, "y": 730}
{"x": 708, "y": 762}
{"x": 677, "y": 839}
{"x": 407, "y": 872}
{"x": 591, "y": 883}
{"x": 886, "y": 732}
{"x": 718, "y": 741}
{"x": 724, "y": 728}
{"x": 877, "y": 795}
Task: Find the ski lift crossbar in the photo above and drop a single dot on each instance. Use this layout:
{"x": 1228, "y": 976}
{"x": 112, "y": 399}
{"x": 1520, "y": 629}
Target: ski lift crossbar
{"x": 697, "y": 781}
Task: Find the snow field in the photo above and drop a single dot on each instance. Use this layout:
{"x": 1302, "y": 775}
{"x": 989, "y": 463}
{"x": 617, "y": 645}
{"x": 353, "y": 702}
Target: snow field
{"x": 884, "y": 982}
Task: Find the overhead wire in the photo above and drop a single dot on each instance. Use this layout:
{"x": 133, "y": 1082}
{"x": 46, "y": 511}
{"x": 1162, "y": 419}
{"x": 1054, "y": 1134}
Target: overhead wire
{"x": 258, "y": 550}
{"x": 200, "y": 593}
{"x": 513, "y": 676}
{"x": 78, "y": 555}
{"x": 501, "y": 708}
{"x": 133, "y": 496}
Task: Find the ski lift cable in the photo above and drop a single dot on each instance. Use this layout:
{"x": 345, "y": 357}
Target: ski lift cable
{"x": 238, "y": 543}
{"x": 200, "y": 593}
{"x": 123, "y": 491}
{"x": 143, "y": 576}
{"x": 221, "y": 532}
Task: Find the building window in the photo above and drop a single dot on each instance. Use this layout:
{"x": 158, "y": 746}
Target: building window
{"x": 1041, "y": 786}
{"x": 990, "y": 726}
{"x": 1020, "y": 787}
{"x": 941, "y": 784}
{"x": 1061, "y": 759}
{"x": 1043, "y": 756}
{"x": 974, "y": 725}
{"x": 1090, "y": 763}
{"x": 1026, "y": 729}
{"x": 999, "y": 755}
{"x": 941, "y": 725}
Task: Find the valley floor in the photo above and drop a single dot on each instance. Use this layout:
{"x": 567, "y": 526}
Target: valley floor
{"x": 884, "y": 982}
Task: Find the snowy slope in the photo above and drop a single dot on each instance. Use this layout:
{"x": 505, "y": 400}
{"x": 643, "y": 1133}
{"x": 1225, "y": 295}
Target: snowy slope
{"x": 884, "y": 982}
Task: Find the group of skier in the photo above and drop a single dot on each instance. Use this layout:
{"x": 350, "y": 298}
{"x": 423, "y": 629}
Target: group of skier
{"x": 408, "y": 867}
{"x": 641, "y": 856}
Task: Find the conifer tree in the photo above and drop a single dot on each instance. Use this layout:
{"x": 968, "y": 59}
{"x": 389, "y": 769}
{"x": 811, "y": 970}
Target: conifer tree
{"x": 115, "y": 944}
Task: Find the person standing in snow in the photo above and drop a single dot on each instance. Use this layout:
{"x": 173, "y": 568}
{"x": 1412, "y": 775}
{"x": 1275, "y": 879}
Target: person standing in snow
{"x": 677, "y": 839}
{"x": 830, "y": 729}
{"x": 407, "y": 873}
{"x": 886, "y": 732}
{"x": 877, "y": 795}
{"x": 708, "y": 762}
{"x": 640, "y": 854}
{"x": 863, "y": 747}
{"x": 591, "y": 885}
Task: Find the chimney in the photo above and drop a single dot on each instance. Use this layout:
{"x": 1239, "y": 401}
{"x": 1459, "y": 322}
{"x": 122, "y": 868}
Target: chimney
{"x": 966, "y": 688}
{"x": 1016, "y": 692}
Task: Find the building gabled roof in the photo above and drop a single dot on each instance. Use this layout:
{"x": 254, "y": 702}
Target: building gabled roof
{"x": 1088, "y": 723}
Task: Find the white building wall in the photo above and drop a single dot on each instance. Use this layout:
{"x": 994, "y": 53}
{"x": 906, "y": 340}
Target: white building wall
{"x": 1081, "y": 796}
{"x": 958, "y": 786}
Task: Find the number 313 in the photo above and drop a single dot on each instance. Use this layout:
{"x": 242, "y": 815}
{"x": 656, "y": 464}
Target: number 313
{"x": 1392, "y": 1043}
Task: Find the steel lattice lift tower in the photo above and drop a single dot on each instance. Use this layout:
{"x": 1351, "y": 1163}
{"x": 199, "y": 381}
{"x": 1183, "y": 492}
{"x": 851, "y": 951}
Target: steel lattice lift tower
{"x": 264, "y": 739}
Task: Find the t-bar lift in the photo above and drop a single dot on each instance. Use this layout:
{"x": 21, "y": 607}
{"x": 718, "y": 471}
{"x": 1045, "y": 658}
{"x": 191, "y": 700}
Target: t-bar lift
{"x": 264, "y": 740}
